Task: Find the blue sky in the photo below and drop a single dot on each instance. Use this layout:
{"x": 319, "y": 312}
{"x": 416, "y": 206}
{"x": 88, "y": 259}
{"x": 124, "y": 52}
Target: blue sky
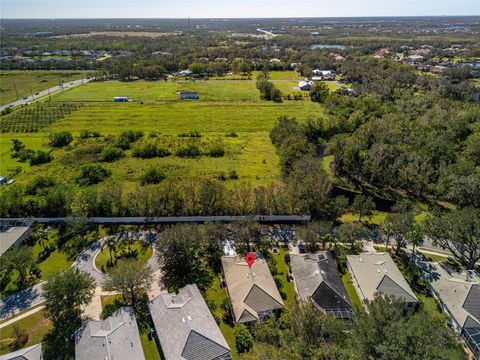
{"x": 232, "y": 8}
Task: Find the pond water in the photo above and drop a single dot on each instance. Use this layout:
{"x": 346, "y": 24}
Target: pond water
{"x": 326, "y": 46}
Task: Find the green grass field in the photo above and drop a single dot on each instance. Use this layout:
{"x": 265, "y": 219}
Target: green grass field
{"x": 36, "y": 80}
{"x": 351, "y": 292}
{"x": 160, "y": 90}
{"x": 251, "y": 154}
{"x": 35, "y": 325}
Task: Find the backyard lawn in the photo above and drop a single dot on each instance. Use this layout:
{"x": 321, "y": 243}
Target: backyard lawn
{"x": 351, "y": 292}
{"x": 216, "y": 295}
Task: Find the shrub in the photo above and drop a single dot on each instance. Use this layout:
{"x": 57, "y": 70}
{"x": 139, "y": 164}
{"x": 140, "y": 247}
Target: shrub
{"x": 40, "y": 157}
{"x": 124, "y": 140}
{"x": 217, "y": 151}
{"x": 232, "y": 175}
{"x": 85, "y": 134}
{"x": 150, "y": 151}
{"x": 60, "y": 139}
{"x": 24, "y": 155}
{"x": 39, "y": 183}
{"x": 243, "y": 338}
{"x": 222, "y": 176}
{"x": 192, "y": 134}
{"x": 111, "y": 153}
{"x": 232, "y": 134}
{"x": 152, "y": 176}
{"x": 92, "y": 174}
{"x": 189, "y": 151}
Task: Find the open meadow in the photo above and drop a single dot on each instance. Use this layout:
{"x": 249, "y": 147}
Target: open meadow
{"x": 28, "y": 82}
{"x": 240, "y": 128}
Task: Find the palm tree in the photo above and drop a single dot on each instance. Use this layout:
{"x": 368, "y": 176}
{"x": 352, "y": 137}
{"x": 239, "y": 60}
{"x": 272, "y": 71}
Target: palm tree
{"x": 111, "y": 245}
{"x": 415, "y": 237}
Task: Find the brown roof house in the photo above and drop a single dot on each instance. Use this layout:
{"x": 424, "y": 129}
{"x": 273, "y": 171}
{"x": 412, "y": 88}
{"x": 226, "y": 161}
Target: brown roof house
{"x": 253, "y": 292}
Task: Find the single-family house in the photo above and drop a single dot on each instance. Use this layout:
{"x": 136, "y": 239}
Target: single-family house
{"x": 324, "y": 74}
{"x": 316, "y": 279}
{"x": 185, "y": 327}
{"x": 253, "y": 292}
{"x": 377, "y": 273}
{"x": 115, "y": 338}
{"x": 188, "y": 95}
{"x": 305, "y": 85}
{"x": 13, "y": 233}
{"x": 459, "y": 297}
{"x": 29, "y": 353}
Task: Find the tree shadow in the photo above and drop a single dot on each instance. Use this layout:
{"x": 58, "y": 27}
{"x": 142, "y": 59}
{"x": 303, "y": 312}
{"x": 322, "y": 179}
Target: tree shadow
{"x": 18, "y": 301}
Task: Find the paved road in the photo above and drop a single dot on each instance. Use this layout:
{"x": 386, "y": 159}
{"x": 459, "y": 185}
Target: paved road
{"x": 21, "y": 301}
{"x": 45, "y": 92}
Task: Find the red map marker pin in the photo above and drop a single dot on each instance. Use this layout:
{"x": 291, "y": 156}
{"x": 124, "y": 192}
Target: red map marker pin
{"x": 250, "y": 258}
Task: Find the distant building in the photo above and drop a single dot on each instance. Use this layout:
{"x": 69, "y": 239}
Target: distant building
{"x": 185, "y": 327}
{"x": 120, "y": 99}
{"x": 29, "y": 353}
{"x": 316, "y": 279}
{"x": 324, "y": 74}
{"x": 305, "y": 85}
{"x": 115, "y": 338}
{"x": 188, "y": 95}
{"x": 13, "y": 233}
{"x": 459, "y": 297}
{"x": 184, "y": 73}
{"x": 377, "y": 273}
{"x": 253, "y": 292}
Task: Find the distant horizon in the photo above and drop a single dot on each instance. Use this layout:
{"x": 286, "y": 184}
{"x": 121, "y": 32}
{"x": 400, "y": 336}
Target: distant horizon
{"x": 245, "y": 18}
{"x": 233, "y": 9}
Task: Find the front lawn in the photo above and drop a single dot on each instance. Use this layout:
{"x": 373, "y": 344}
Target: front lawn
{"x": 35, "y": 325}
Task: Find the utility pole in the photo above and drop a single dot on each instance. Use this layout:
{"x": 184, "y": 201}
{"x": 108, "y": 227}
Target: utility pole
{"x": 15, "y": 86}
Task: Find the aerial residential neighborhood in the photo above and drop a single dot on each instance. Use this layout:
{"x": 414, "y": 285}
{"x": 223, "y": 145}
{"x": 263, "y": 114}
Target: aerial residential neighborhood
{"x": 238, "y": 180}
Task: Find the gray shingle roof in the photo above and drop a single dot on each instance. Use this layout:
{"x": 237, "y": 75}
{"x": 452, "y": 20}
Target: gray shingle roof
{"x": 29, "y": 353}
{"x": 459, "y": 292}
{"x": 311, "y": 270}
{"x": 13, "y": 231}
{"x": 252, "y": 292}
{"x": 186, "y": 329}
{"x": 115, "y": 338}
{"x": 376, "y": 272}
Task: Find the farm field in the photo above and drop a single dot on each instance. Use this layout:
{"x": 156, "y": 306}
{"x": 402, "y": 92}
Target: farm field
{"x": 37, "y": 80}
{"x": 161, "y": 90}
{"x": 250, "y": 153}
